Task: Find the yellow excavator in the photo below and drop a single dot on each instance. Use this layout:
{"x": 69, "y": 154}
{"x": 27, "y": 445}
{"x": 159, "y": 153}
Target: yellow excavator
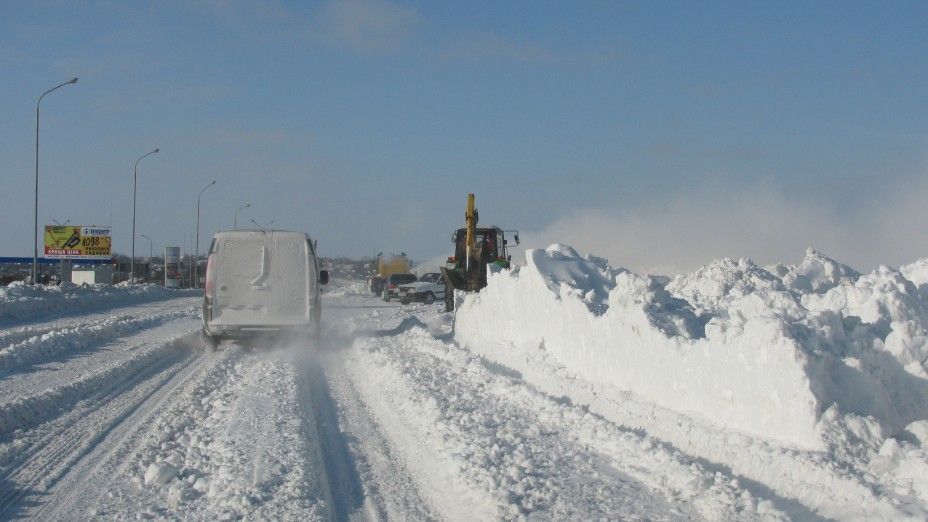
{"x": 474, "y": 250}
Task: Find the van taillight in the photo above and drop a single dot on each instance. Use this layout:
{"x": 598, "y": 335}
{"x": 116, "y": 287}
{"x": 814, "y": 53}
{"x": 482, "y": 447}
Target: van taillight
{"x": 210, "y": 274}
{"x": 392, "y": 285}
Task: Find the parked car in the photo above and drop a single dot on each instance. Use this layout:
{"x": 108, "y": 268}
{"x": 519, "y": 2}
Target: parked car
{"x": 393, "y": 282}
{"x": 427, "y": 289}
{"x": 261, "y": 282}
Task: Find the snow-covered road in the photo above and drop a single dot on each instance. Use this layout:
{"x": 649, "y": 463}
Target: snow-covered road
{"x": 122, "y": 413}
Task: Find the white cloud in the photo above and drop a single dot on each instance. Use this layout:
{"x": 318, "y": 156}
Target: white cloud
{"x": 371, "y": 26}
{"x": 484, "y": 47}
{"x": 362, "y": 26}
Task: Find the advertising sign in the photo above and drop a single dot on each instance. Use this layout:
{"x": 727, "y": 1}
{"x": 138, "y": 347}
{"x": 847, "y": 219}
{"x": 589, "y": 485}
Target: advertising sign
{"x": 172, "y": 267}
{"x": 78, "y": 242}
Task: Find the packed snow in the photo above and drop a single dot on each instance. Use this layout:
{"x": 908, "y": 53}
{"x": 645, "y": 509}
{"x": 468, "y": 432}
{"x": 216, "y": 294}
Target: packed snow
{"x": 21, "y": 301}
{"x": 566, "y": 389}
{"x": 800, "y": 369}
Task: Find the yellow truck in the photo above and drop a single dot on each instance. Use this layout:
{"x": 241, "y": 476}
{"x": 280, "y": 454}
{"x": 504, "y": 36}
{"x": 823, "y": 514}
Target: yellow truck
{"x": 387, "y": 265}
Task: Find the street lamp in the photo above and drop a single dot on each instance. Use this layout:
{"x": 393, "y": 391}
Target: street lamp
{"x": 151, "y": 245}
{"x": 150, "y": 250}
{"x": 35, "y": 222}
{"x": 235, "y": 217}
{"x": 135, "y": 179}
{"x": 269, "y": 223}
{"x": 196, "y": 248}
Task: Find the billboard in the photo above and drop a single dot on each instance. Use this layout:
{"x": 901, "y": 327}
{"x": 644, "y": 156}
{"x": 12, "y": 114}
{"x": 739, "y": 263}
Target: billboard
{"x": 78, "y": 242}
{"x": 172, "y": 267}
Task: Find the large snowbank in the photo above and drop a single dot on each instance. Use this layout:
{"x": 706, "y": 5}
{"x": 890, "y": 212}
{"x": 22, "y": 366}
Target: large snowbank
{"x": 800, "y": 355}
{"x": 21, "y": 301}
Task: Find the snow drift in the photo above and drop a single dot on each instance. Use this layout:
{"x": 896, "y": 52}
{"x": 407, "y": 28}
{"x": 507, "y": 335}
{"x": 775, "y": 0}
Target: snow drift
{"x": 793, "y": 354}
{"x": 23, "y": 301}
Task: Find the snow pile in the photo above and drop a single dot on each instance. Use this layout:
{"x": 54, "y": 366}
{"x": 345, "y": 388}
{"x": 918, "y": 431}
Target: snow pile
{"x": 916, "y": 272}
{"x": 802, "y": 355}
{"x": 31, "y": 345}
{"x": 345, "y": 288}
{"x": 817, "y": 273}
{"x": 21, "y": 301}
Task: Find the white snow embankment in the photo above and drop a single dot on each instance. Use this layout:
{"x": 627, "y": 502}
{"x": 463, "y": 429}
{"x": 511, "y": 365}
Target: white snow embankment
{"x": 810, "y": 357}
{"x": 614, "y": 327}
{"x": 20, "y": 301}
{"x": 732, "y": 342}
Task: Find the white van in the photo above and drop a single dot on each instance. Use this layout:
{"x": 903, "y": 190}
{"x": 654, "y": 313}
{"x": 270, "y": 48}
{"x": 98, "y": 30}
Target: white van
{"x": 261, "y": 282}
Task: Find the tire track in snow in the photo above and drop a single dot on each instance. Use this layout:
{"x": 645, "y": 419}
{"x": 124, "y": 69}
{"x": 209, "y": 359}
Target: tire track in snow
{"x": 12, "y": 334}
{"x": 25, "y": 412}
{"x": 41, "y": 441}
{"x": 106, "y": 466}
{"x": 389, "y": 490}
{"x": 56, "y": 342}
{"x": 345, "y": 492}
{"x": 235, "y": 447}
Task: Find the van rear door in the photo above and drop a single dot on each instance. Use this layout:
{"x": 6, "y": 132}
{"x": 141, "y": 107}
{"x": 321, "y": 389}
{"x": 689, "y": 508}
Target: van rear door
{"x": 240, "y": 264}
{"x": 289, "y": 277}
{"x": 262, "y": 278}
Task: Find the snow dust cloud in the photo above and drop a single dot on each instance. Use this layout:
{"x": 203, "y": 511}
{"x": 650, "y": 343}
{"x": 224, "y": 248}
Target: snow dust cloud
{"x": 687, "y": 230}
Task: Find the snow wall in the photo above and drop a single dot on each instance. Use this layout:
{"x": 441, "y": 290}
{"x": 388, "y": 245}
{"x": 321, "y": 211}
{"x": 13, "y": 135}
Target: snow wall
{"x": 790, "y": 353}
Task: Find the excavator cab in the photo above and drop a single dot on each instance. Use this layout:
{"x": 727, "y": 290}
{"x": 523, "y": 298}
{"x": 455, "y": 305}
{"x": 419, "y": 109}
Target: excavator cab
{"x": 489, "y": 245}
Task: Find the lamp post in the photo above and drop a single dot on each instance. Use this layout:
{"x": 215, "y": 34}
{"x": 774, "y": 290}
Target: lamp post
{"x": 235, "y": 217}
{"x": 151, "y": 245}
{"x": 269, "y": 223}
{"x": 196, "y": 248}
{"x": 35, "y": 222}
{"x": 150, "y": 249}
{"x": 135, "y": 179}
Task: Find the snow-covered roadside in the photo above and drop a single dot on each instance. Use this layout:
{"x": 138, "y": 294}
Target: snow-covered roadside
{"x": 807, "y": 379}
{"x": 21, "y": 348}
{"x": 20, "y": 301}
{"x": 485, "y": 445}
{"x": 22, "y": 412}
{"x": 44, "y": 435}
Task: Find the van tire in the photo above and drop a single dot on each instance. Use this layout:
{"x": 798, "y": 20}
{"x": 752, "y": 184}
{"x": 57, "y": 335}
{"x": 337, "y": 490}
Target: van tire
{"x": 211, "y": 341}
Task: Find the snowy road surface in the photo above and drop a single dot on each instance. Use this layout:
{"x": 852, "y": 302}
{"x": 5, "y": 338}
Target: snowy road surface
{"x": 122, "y": 414}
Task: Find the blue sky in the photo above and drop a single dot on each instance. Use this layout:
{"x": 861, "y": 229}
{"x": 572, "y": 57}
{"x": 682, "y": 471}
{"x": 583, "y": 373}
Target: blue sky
{"x": 659, "y": 134}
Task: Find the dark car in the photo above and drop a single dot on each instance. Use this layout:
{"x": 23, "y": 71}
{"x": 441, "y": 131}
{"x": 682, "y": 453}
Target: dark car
{"x": 393, "y": 282}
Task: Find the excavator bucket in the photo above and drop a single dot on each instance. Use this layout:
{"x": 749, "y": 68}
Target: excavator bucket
{"x": 453, "y": 281}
